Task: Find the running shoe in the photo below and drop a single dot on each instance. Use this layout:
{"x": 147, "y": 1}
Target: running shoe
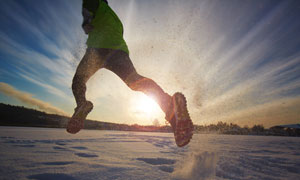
{"x": 180, "y": 120}
{"x": 76, "y": 123}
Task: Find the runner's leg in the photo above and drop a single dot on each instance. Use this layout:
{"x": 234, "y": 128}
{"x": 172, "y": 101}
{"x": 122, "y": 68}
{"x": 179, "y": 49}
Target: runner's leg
{"x": 120, "y": 63}
{"x": 90, "y": 63}
{"x": 174, "y": 107}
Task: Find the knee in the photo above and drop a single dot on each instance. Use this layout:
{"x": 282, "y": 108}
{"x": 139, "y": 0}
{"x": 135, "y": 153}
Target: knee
{"x": 139, "y": 83}
{"x": 134, "y": 82}
{"x": 133, "y": 86}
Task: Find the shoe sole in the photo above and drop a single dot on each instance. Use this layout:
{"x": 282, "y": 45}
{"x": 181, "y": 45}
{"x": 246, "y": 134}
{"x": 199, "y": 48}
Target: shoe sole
{"x": 76, "y": 123}
{"x": 184, "y": 125}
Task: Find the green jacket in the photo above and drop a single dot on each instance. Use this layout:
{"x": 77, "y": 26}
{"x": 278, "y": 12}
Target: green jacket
{"x": 108, "y": 29}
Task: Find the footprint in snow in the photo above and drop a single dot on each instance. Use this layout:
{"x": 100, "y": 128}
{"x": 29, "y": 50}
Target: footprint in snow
{"x": 86, "y": 155}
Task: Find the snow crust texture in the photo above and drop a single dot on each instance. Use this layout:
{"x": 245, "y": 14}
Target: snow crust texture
{"x": 41, "y": 153}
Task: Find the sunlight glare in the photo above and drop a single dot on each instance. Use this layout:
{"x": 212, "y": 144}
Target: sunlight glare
{"x": 147, "y": 105}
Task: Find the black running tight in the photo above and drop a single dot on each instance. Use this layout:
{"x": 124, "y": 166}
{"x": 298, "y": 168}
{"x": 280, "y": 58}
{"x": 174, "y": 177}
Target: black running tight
{"x": 118, "y": 62}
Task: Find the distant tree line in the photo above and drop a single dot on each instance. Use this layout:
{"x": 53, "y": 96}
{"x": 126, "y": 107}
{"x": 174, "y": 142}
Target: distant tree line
{"x": 21, "y": 116}
{"x": 231, "y": 128}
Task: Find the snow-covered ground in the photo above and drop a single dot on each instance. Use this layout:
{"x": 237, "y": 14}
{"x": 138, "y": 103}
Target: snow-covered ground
{"x": 41, "y": 153}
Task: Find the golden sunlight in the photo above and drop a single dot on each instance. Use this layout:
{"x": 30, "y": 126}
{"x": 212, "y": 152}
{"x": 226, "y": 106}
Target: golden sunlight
{"x": 145, "y": 109}
{"x": 147, "y": 105}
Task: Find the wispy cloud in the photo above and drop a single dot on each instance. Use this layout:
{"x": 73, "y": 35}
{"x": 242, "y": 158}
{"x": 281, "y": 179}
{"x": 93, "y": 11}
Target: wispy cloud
{"x": 46, "y": 86}
{"x": 28, "y": 99}
{"x": 50, "y": 58}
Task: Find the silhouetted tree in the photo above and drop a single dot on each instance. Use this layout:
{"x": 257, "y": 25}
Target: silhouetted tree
{"x": 258, "y": 128}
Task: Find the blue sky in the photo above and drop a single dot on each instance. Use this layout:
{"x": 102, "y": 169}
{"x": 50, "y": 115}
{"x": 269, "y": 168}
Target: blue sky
{"x": 236, "y": 61}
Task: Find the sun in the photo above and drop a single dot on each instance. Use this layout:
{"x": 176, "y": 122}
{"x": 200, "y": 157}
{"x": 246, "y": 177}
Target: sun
{"x": 145, "y": 107}
{"x": 145, "y": 110}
